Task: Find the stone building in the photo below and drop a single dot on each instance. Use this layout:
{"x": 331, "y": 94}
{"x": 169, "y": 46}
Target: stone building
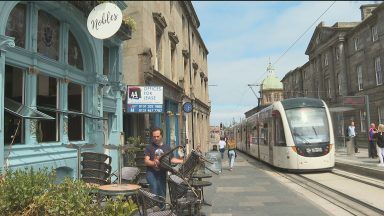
{"x": 52, "y": 68}
{"x": 344, "y": 69}
{"x": 167, "y": 50}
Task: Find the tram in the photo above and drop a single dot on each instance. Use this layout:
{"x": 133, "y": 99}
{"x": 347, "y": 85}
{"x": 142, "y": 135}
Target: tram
{"x": 295, "y": 134}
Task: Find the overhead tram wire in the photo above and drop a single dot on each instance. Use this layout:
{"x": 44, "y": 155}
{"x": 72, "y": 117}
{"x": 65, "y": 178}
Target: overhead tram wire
{"x": 304, "y": 33}
{"x": 278, "y": 59}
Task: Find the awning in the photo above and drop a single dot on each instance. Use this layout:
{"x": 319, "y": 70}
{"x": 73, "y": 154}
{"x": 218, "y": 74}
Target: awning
{"x": 23, "y": 111}
{"x": 69, "y": 112}
{"x": 340, "y": 109}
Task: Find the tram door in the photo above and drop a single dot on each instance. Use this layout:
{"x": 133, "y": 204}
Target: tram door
{"x": 271, "y": 135}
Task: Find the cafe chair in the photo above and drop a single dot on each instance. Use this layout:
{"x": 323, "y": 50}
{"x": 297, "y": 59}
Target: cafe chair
{"x": 93, "y": 156}
{"x": 98, "y": 165}
{"x": 153, "y": 205}
{"x": 182, "y": 196}
{"x": 129, "y": 175}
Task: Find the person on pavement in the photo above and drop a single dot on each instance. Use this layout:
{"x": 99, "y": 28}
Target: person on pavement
{"x": 231, "y": 153}
{"x": 372, "y": 150}
{"x": 352, "y": 136}
{"x": 222, "y": 147}
{"x": 156, "y": 176}
{"x": 380, "y": 144}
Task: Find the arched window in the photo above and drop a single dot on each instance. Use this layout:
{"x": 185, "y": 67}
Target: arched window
{"x": 48, "y": 31}
{"x": 75, "y": 57}
{"x": 16, "y": 25}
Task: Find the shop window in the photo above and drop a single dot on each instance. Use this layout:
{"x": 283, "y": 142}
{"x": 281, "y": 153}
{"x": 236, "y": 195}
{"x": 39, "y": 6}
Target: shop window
{"x": 13, "y": 89}
{"x": 46, "y": 102}
{"x": 75, "y": 57}
{"x": 105, "y": 60}
{"x": 16, "y": 25}
{"x": 48, "y": 31}
{"x": 75, "y": 108}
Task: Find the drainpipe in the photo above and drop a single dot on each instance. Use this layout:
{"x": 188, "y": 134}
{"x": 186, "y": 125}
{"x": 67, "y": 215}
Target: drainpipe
{"x": 190, "y": 84}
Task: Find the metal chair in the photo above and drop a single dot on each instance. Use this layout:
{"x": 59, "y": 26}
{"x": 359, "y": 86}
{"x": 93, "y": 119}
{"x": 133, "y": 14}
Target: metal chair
{"x": 182, "y": 196}
{"x": 96, "y": 168}
{"x": 93, "y": 156}
{"x": 92, "y": 164}
{"x": 153, "y": 205}
{"x": 129, "y": 174}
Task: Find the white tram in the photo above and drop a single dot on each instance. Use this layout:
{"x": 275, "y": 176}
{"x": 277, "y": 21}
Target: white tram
{"x": 294, "y": 134}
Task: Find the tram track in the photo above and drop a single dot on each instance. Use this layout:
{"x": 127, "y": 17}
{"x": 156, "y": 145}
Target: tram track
{"x": 344, "y": 201}
{"x": 348, "y": 203}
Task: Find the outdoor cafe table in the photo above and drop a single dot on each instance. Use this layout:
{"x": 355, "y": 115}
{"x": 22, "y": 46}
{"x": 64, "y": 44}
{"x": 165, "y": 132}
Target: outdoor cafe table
{"x": 78, "y": 148}
{"x": 113, "y": 190}
{"x": 199, "y": 185}
{"x": 200, "y": 175}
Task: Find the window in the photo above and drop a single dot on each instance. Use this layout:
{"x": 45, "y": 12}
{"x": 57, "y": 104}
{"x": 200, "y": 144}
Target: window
{"x": 362, "y": 121}
{"x": 13, "y": 89}
{"x": 48, "y": 31}
{"x": 359, "y": 72}
{"x": 105, "y": 60}
{"x": 379, "y": 77}
{"x": 75, "y": 57}
{"x": 16, "y": 25}
{"x": 328, "y": 87}
{"x": 46, "y": 102}
{"x": 158, "y": 50}
{"x": 356, "y": 43}
{"x": 173, "y": 61}
{"x": 339, "y": 81}
{"x": 375, "y": 36}
{"x": 337, "y": 53}
{"x": 380, "y": 111}
{"x": 75, "y": 108}
{"x": 326, "y": 59}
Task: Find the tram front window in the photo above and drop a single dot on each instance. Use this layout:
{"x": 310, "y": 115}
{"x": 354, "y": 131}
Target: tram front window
{"x": 308, "y": 125}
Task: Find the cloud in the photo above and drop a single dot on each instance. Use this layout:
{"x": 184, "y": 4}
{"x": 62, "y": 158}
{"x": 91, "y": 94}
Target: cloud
{"x": 242, "y": 36}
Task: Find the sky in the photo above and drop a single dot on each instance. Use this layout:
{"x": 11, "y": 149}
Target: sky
{"x": 243, "y": 36}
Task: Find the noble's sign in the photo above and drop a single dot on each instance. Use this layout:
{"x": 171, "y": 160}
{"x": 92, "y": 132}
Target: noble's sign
{"x": 104, "y": 20}
{"x": 145, "y": 99}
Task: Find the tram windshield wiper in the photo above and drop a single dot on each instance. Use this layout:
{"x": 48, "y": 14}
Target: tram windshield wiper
{"x": 305, "y": 141}
{"x": 314, "y": 130}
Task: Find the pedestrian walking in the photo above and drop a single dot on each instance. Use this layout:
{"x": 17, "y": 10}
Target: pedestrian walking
{"x": 231, "y": 153}
{"x": 156, "y": 176}
{"x": 372, "y": 150}
{"x": 222, "y": 147}
{"x": 380, "y": 144}
{"x": 352, "y": 136}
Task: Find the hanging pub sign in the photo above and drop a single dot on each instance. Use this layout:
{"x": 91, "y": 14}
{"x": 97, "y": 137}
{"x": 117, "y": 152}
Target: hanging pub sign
{"x": 145, "y": 99}
{"x": 104, "y": 20}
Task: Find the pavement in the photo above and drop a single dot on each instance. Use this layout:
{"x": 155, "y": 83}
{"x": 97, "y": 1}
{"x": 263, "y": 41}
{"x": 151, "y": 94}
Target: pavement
{"x": 250, "y": 189}
{"x": 359, "y": 163}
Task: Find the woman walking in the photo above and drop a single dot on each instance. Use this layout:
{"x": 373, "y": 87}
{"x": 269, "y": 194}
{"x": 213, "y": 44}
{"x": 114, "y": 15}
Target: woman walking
{"x": 231, "y": 153}
{"x": 380, "y": 144}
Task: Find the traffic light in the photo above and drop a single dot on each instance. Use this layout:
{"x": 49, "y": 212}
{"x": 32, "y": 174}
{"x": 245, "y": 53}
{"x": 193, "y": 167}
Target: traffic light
{"x": 221, "y": 126}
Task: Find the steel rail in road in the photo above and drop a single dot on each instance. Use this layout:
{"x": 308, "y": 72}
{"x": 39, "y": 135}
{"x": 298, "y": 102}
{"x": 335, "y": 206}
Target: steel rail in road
{"x": 338, "y": 198}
